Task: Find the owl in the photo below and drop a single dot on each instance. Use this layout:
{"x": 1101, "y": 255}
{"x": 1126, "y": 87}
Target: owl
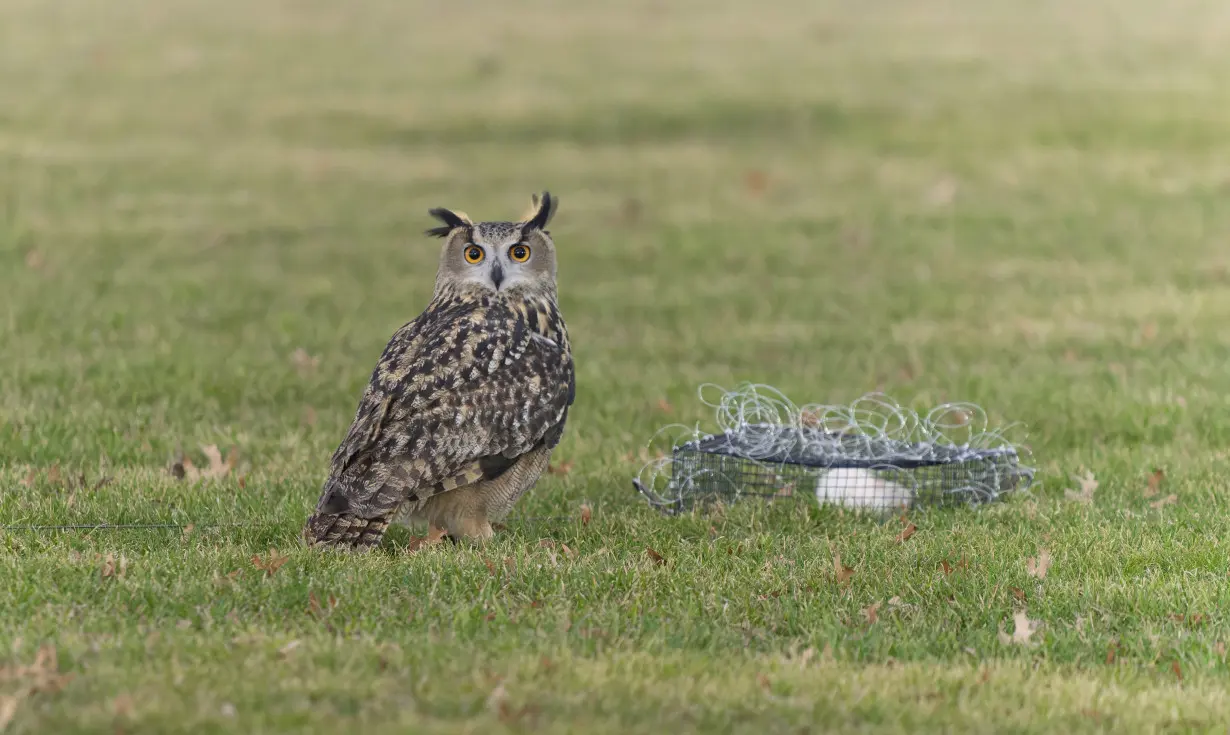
{"x": 467, "y": 401}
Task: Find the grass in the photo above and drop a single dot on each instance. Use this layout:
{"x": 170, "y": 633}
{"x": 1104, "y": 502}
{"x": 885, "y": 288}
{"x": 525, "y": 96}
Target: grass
{"x": 1018, "y": 204}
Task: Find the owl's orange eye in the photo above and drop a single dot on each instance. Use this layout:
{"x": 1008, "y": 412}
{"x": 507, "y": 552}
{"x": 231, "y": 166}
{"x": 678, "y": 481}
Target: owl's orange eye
{"x": 474, "y": 254}
{"x": 519, "y": 253}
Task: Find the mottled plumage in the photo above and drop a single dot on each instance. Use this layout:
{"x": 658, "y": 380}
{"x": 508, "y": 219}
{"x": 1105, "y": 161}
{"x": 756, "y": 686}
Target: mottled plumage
{"x": 468, "y": 399}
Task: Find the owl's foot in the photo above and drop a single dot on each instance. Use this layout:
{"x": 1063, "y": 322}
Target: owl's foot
{"x": 473, "y": 530}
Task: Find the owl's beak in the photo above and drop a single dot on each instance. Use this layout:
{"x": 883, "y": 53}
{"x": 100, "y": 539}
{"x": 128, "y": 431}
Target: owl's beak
{"x": 497, "y": 274}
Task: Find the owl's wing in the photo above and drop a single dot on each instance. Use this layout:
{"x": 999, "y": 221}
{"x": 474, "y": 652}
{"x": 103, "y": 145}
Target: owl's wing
{"x": 455, "y": 397}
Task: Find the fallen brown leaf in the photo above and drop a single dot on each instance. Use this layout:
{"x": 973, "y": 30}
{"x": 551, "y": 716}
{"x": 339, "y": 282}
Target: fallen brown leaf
{"x": 1018, "y": 593}
{"x": 304, "y": 362}
{"x": 1170, "y": 499}
{"x": 906, "y": 533}
{"x": 8, "y": 708}
{"x": 497, "y": 696}
{"x": 946, "y": 567}
{"x": 1178, "y": 671}
{"x": 315, "y": 609}
{"x": 53, "y": 474}
{"x": 841, "y": 571}
{"x": 871, "y": 613}
{"x": 433, "y": 537}
{"x": 665, "y": 406}
{"x": 629, "y": 210}
{"x": 34, "y": 260}
{"x": 1023, "y": 630}
{"x": 563, "y": 468}
{"x": 184, "y": 469}
{"x": 1155, "y": 482}
{"x": 1088, "y": 485}
{"x": 564, "y": 548}
{"x": 942, "y": 192}
{"x": 657, "y": 558}
{"x": 108, "y": 567}
{"x": 586, "y": 514}
{"x": 756, "y": 182}
{"x": 1111, "y": 652}
{"x": 1038, "y": 566}
{"x": 271, "y": 564}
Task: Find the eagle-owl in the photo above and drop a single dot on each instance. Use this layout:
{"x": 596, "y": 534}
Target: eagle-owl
{"x": 467, "y": 401}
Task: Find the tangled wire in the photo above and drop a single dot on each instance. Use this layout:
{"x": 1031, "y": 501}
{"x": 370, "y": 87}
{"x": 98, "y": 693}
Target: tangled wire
{"x": 871, "y": 454}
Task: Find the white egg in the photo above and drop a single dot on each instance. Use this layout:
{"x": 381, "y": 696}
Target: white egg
{"x": 859, "y": 488}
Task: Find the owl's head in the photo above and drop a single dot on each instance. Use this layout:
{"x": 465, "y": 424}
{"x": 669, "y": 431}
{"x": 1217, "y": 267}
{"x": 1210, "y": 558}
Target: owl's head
{"x": 500, "y": 256}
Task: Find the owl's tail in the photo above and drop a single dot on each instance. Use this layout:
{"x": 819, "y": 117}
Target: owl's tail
{"x": 343, "y": 530}
{"x": 334, "y": 523}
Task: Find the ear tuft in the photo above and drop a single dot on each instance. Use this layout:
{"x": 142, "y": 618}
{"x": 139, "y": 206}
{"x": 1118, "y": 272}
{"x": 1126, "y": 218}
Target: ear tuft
{"x": 452, "y": 220}
{"x": 542, "y": 210}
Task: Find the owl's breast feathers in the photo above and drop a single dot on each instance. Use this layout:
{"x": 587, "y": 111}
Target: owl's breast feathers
{"x": 471, "y": 383}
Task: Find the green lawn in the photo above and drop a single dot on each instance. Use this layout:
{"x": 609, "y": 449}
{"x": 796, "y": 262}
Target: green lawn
{"x": 210, "y": 224}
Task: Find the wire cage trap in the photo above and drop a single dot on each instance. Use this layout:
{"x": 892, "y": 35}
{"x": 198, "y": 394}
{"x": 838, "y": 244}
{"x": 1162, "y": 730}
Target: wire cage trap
{"x": 873, "y": 455}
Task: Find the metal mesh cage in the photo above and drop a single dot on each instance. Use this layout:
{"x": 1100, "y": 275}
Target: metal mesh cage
{"x": 851, "y": 470}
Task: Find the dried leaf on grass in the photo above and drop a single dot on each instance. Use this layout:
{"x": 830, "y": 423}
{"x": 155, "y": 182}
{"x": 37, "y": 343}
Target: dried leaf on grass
{"x": 184, "y": 469}
{"x": 316, "y": 610}
{"x": 113, "y": 568}
{"x": 655, "y": 556}
{"x": 586, "y": 514}
{"x": 756, "y": 182}
{"x": 1170, "y": 499}
{"x": 906, "y": 533}
{"x": 1038, "y": 566}
{"x": 561, "y": 469}
{"x": 271, "y": 564}
{"x": 1024, "y": 628}
{"x": 1085, "y": 495}
{"x": 433, "y": 537}
{"x": 43, "y": 675}
{"x": 8, "y": 708}
{"x": 304, "y": 362}
{"x": 1155, "y": 482}
{"x": 871, "y": 613}
{"x": 841, "y": 571}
